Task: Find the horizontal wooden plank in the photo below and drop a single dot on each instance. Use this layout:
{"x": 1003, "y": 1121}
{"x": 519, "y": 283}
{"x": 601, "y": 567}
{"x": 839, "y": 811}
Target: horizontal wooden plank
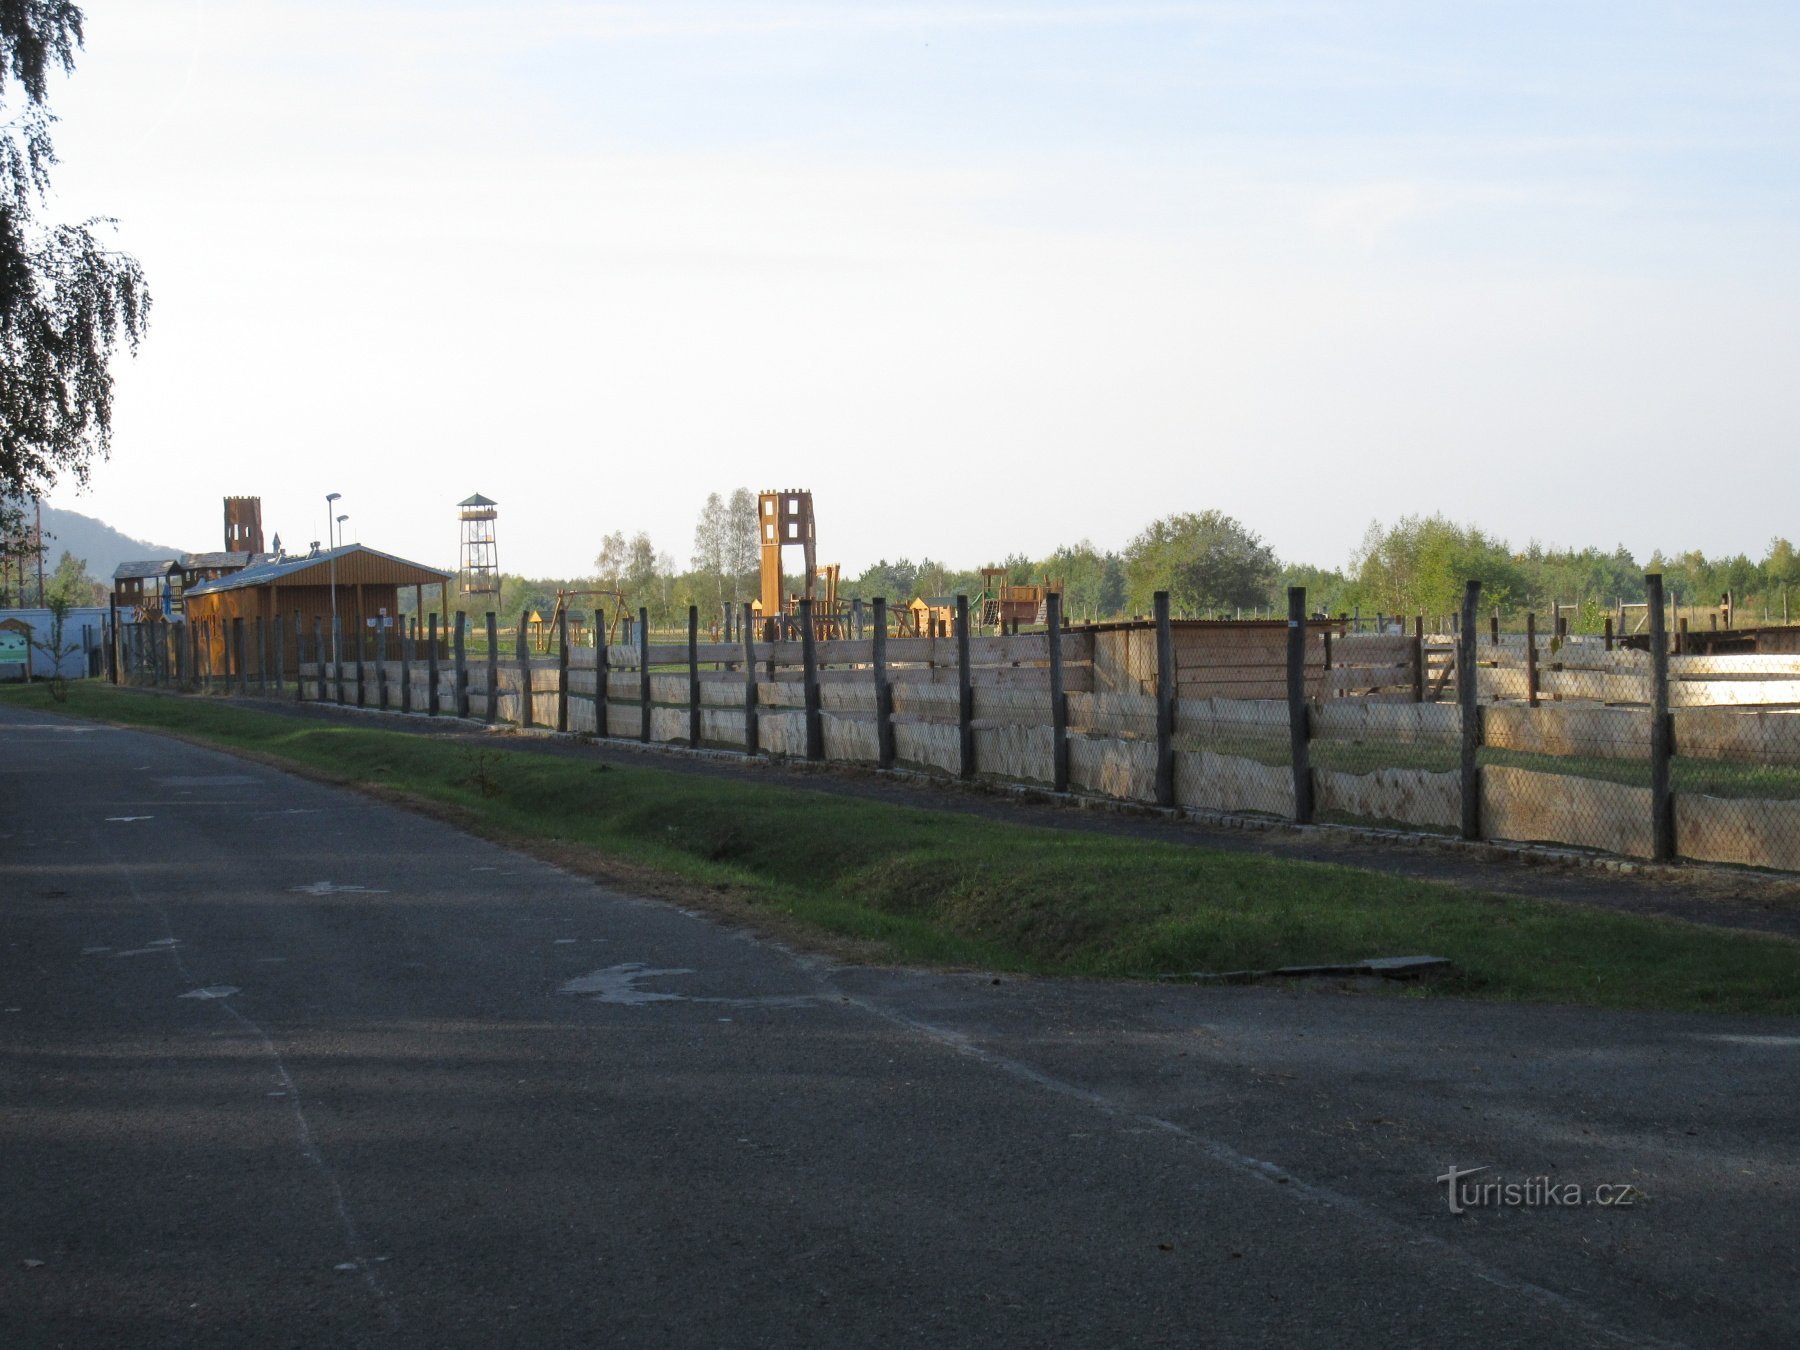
{"x": 1370, "y": 649}
{"x": 1554, "y": 808}
{"x": 1368, "y": 677}
{"x": 1751, "y": 832}
{"x": 1392, "y": 796}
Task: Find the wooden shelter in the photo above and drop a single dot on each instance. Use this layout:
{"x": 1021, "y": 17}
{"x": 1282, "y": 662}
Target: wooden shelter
{"x": 367, "y": 584}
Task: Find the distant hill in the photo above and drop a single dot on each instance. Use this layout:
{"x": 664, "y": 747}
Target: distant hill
{"x": 103, "y": 547}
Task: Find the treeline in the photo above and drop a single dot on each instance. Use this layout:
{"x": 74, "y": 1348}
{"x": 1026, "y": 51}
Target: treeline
{"x": 1211, "y": 565}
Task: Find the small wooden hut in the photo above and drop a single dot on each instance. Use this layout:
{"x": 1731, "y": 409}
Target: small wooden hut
{"x": 300, "y": 591}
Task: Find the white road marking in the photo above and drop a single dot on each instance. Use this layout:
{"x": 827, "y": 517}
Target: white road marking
{"x": 332, "y": 888}
{"x": 127, "y": 819}
{"x": 618, "y": 984}
{"x": 94, "y": 951}
{"x": 212, "y": 991}
{"x": 1783, "y": 1042}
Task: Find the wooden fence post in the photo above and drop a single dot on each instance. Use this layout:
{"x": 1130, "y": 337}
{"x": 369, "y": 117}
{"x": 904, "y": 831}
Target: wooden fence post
{"x": 299, "y": 659}
{"x": 965, "y": 694}
{"x": 562, "y": 670}
{"x": 884, "y": 690}
{"x": 493, "y": 667}
{"x": 381, "y": 662}
{"x": 1662, "y": 729}
{"x": 856, "y": 617}
{"x": 522, "y": 650}
{"x": 1418, "y": 659}
{"x": 1531, "y": 659}
{"x": 1299, "y": 719}
{"x": 1165, "y": 699}
{"x": 322, "y": 670}
{"x": 1059, "y": 700}
{"x": 602, "y": 673}
{"x": 809, "y": 674}
{"x": 1606, "y": 634}
{"x": 643, "y": 646}
{"x": 1468, "y": 696}
{"x": 243, "y": 663}
{"x": 406, "y": 655}
{"x": 693, "y": 672}
{"x": 262, "y": 655}
{"x": 461, "y": 653}
{"x": 433, "y": 704}
{"x": 747, "y": 631}
{"x": 361, "y": 667}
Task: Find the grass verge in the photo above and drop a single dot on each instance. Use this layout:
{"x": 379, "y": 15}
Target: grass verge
{"x": 943, "y": 887}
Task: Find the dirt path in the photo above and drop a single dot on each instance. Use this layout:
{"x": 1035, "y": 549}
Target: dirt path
{"x": 1692, "y": 893}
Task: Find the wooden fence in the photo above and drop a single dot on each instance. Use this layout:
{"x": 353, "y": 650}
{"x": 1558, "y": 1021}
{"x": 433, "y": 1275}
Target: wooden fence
{"x": 1355, "y": 738}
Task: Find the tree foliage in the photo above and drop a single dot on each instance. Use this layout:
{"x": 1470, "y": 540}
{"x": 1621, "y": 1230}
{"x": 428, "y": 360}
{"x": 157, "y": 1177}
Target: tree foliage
{"x": 1420, "y": 565}
{"x": 67, "y": 301}
{"x": 1207, "y": 562}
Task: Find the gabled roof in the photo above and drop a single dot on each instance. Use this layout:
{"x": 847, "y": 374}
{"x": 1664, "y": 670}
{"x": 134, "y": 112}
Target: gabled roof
{"x": 151, "y": 567}
{"x": 194, "y": 562}
{"x": 477, "y": 500}
{"x": 291, "y": 569}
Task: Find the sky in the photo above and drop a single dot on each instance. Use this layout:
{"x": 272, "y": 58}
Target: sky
{"x": 987, "y": 277}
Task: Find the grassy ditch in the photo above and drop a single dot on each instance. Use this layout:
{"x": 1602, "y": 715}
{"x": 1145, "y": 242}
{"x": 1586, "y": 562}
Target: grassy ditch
{"x": 945, "y": 887}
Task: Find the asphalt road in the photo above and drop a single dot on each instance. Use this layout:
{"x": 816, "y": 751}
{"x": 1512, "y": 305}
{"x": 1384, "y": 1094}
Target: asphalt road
{"x": 283, "y": 1066}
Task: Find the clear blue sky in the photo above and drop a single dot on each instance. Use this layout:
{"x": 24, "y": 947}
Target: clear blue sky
{"x": 987, "y": 277}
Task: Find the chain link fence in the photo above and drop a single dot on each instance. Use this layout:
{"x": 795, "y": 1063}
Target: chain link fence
{"x": 1577, "y": 742}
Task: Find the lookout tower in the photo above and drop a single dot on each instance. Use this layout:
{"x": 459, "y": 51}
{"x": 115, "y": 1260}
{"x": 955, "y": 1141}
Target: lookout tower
{"x": 784, "y": 518}
{"x": 243, "y": 525}
{"x": 479, "y": 563}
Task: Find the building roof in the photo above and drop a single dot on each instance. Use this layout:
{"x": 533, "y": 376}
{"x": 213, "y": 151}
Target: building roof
{"x": 291, "y": 569}
{"x": 150, "y": 567}
{"x": 194, "y": 562}
{"x": 477, "y": 500}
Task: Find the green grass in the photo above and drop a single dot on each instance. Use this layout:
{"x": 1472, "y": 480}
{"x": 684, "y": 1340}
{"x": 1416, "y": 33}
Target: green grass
{"x": 945, "y": 887}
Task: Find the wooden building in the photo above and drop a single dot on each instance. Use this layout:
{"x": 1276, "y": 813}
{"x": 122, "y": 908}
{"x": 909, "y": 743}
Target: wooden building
{"x": 367, "y": 585}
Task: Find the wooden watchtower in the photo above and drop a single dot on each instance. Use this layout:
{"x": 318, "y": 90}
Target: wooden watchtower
{"x": 478, "y": 565}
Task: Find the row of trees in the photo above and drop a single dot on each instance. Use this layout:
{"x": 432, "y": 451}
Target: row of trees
{"x": 1211, "y": 564}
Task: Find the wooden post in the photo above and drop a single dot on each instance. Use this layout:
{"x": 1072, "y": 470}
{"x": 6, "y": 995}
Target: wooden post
{"x": 1059, "y": 702}
{"x": 237, "y": 642}
{"x": 1419, "y": 659}
{"x": 361, "y": 668}
{"x": 1299, "y": 720}
{"x": 643, "y": 646}
{"x": 262, "y": 655}
{"x": 965, "y": 694}
{"x": 693, "y": 672}
{"x": 461, "y": 652}
{"x": 809, "y": 673}
{"x": 299, "y": 659}
{"x": 884, "y": 691}
{"x": 856, "y": 617}
{"x": 1662, "y": 729}
{"x": 323, "y": 667}
{"x": 337, "y": 656}
{"x": 493, "y": 667}
{"x": 1494, "y": 629}
{"x": 522, "y": 650}
{"x": 562, "y": 670}
{"x": 1468, "y": 696}
{"x": 747, "y": 631}
{"x": 1531, "y": 659}
{"x": 601, "y": 673}
{"x": 381, "y": 662}
{"x": 1165, "y": 697}
{"x": 432, "y": 698}
{"x": 406, "y": 655}
{"x": 1607, "y": 635}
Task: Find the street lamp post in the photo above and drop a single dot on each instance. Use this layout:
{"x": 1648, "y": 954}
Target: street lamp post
{"x": 331, "y": 546}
